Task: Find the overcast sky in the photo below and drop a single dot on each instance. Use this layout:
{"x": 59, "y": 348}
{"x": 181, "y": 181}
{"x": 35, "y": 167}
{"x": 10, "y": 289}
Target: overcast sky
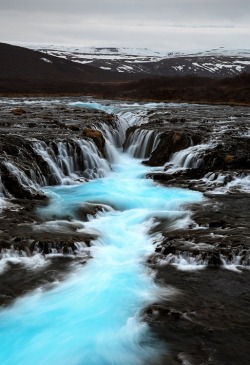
{"x": 156, "y": 24}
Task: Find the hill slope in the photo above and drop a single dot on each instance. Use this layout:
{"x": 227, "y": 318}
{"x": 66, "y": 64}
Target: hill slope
{"x": 216, "y": 63}
{"x": 19, "y": 63}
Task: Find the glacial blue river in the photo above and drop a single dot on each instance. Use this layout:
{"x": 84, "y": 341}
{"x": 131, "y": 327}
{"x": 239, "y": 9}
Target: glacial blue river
{"x": 94, "y": 316}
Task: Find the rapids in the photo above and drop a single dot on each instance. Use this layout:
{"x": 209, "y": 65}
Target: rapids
{"x": 95, "y": 316}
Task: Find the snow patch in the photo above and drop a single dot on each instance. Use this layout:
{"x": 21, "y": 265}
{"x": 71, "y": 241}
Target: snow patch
{"x": 46, "y": 60}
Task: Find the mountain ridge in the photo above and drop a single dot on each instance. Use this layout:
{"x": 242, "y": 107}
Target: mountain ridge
{"x": 22, "y": 63}
{"x": 28, "y": 72}
{"x": 218, "y": 63}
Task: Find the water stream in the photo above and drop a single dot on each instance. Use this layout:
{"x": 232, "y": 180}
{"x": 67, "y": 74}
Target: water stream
{"x": 94, "y": 316}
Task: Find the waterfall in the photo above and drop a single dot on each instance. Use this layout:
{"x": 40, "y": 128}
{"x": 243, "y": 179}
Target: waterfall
{"x": 1, "y": 188}
{"x": 224, "y": 182}
{"x": 56, "y": 163}
{"x": 20, "y": 175}
{"x": 185, "y": 261}
{"x": 67, "y": 161}
{"x": 116, "y": 131}
{"x": 240, "y": 259}
{"x": 142, "y": 142}
{"x": 189, "y": 158}
{"x": 133, "y": 118}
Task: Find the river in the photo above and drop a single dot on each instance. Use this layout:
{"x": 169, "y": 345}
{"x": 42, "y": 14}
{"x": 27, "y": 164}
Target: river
{"x": 94, "y": 317}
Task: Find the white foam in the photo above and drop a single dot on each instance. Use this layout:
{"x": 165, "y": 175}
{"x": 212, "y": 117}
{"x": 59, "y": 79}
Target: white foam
{"x": 184, "y": 261}
{"x": 238, "y": 262}
{"x": 12, "y": 256}
{"x": 218, "y": 185}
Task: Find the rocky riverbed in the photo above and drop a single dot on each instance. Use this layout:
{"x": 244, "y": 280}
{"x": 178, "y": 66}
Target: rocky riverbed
{"x": 205, "y": 148}
{"x": 44, "y": 144}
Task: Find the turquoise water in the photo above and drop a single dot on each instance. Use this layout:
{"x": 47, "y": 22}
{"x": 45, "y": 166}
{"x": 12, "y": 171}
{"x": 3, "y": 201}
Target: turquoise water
{"x": 93, "y": 317}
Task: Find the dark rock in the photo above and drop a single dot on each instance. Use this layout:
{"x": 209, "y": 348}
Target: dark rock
{"x": 221, "y": 224}
{"x": 214, "y": 260}
{"x": 18, "y": 111}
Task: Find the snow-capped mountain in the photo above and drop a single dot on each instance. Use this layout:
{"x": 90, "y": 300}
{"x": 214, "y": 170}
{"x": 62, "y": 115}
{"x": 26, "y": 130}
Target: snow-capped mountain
{"x": 212, "y": 63}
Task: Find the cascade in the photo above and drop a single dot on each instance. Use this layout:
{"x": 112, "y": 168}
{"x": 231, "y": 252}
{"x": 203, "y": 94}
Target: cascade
{"x": 142, "y": 142}
{"x": 188, "y": 158}
{"x": 20, "y": 175}
{"x": 67, "y": 161}
{"x": 115, "y": 133}
{"x": 132, "y": 118}
{"x": 220, "y": 182}
{"x": 186, "y": 261}
{"x": 1, "y": 188}
{"x": 59, "y": 163}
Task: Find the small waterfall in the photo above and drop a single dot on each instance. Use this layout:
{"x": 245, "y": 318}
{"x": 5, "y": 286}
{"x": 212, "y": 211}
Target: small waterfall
{"x": 22, "y": 178}
{"x": 240, "y": 182}
{"x": 186, "y": 261}
{"x": 114, "y": 137}
{"x": 132, "y": 118}
{"x": 115, "y": 132}
{"x": 11, "y": 255}
{"x": 67, "y": 161}
{"x": 237, "y": 260}
{"x": 142, "y": 142}
{"x": 240, "y": 259}
{"x": 190, "y": 158}
{"x": 224, "y": 182}
{"x": 54, "y": 163}
{"x": 60, "y": 249}
{"x": 1, "y": 188}
{"x": 3, "y": 194}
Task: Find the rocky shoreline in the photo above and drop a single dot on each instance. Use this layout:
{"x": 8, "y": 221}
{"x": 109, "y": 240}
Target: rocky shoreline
{"x": 202, "y": 148}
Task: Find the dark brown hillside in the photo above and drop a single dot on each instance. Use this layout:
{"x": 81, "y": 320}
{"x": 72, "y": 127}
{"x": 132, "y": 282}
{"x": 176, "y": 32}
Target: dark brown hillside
{"x": 190, "y": 89}
{"x": 18, "y": 63}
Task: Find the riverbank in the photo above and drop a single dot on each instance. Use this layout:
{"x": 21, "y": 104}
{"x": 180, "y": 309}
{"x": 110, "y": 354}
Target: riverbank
{"x": 185, "y": 89}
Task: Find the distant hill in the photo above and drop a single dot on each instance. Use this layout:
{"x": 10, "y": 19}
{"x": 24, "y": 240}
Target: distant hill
{"x": 28, "y": 72}
{"x": 19, "y": 63}
{"x": 215, "y": 63}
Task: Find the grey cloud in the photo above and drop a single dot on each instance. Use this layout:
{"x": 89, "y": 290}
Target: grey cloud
{"x": 164, "y": 11}
{"x": 172, "y": 24}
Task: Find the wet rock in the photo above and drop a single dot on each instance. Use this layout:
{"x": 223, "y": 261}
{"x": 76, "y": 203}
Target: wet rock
{"x": 91, "y": 209}
{"x": 221, "y": 224}
{"x": 96, "y": 136}
{"x": 18, "y": 111}
{"x": 214, "y": 260}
